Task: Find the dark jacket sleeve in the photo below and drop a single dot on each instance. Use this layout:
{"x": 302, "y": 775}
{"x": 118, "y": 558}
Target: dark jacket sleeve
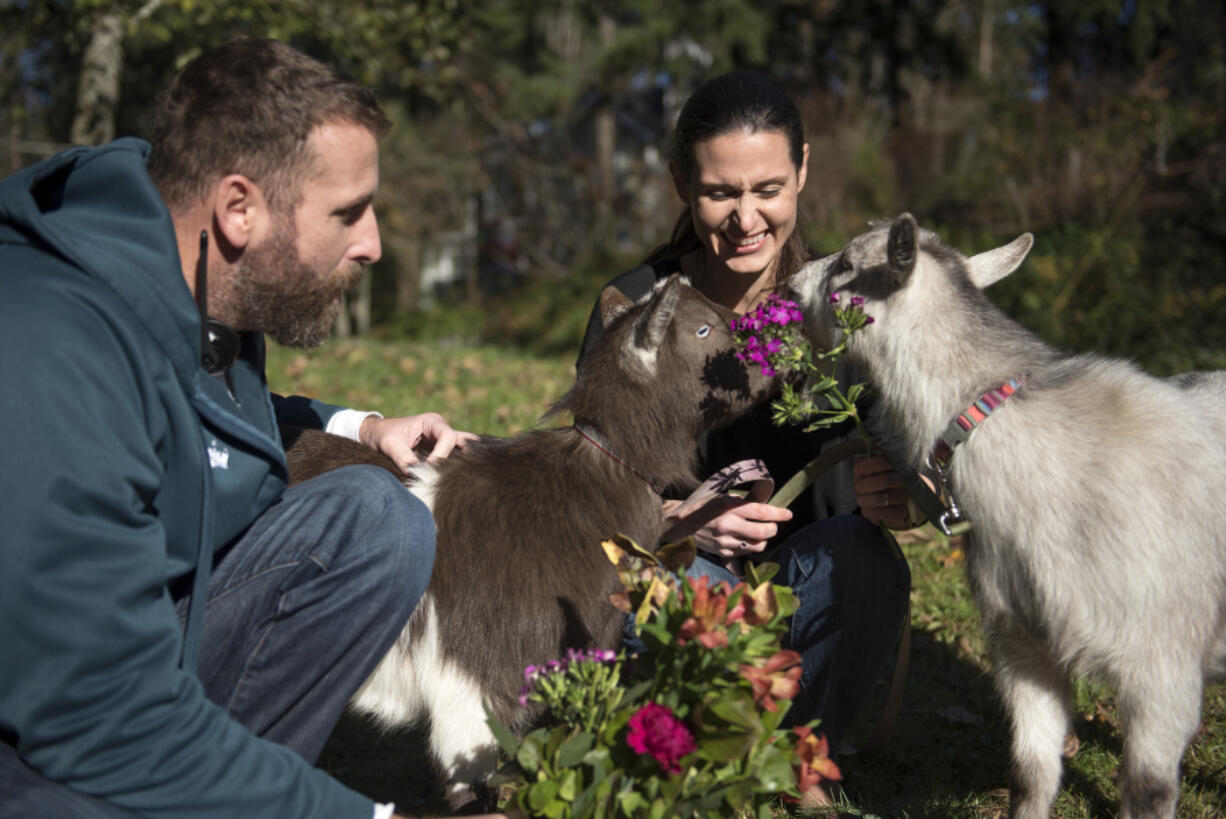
{"x": 90, "y": 688}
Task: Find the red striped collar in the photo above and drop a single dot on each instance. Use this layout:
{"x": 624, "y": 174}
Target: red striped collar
{"x": 960, "y": 428}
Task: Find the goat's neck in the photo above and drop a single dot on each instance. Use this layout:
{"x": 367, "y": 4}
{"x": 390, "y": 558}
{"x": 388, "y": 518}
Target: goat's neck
{"x": 925, "y": 377}
{"x": 658, "y": 453}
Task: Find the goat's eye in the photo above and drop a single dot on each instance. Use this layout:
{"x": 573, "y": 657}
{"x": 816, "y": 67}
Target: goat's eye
{"x": 703, "y": 331}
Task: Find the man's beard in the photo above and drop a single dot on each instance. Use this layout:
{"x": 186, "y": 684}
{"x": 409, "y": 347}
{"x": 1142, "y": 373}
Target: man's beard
{"x": 285, "y": 298}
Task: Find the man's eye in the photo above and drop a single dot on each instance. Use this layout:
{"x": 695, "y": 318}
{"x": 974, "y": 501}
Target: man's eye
{"x": 353, "y": 215}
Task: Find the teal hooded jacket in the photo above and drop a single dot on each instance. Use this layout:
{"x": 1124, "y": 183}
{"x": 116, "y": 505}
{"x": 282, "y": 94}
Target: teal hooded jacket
{"x": 124, "y": 467}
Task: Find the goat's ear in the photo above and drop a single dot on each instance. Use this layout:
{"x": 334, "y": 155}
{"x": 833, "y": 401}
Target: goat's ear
{"x": 651, "y": 327}
{"x": 901, "y": 248}
{"x": 613, "y": 303}
{"x": 991, "y": 266}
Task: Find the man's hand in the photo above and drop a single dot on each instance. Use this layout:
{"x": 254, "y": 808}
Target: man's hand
{"x": 728, "y": 526}
{"x": 405, "y": 439}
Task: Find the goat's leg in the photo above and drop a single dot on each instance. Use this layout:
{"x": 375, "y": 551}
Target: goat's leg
{"x": 1038, "y": 697}
{"x": 1160, "y": 711}
{"x": 461, "y": 742}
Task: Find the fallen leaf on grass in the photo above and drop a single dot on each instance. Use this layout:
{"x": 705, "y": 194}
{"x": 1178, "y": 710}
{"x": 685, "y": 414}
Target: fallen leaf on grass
{"x": 297, "y": 366}
{"x": 950, "y": 558}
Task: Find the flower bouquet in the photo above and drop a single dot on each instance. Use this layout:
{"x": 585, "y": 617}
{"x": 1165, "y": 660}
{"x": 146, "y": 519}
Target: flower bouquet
{"x": 690, "y": 724}
{"x": 770, "y": 336}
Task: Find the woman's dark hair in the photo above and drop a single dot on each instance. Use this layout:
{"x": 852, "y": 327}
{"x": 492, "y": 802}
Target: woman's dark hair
{"x": 738, "y": 101}
{"x": 249, "y": 106}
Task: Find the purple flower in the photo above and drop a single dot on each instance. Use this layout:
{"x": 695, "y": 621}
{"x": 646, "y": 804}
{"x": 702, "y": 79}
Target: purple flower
{"x": 773, "y": 345}
{"x": 856, "y": 301}
{"x": 834, "y": 298}
{"x": 655, "y": 730}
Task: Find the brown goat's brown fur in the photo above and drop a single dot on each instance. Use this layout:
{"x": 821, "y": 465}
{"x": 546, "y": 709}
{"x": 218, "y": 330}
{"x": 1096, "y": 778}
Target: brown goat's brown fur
{"x": 519, "y": 575}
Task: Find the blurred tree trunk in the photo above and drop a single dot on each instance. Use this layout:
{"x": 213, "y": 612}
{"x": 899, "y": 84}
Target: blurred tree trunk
{"x": 987, "y": 20}
{"x": 101, "y": 67}
{"x": 606, "y": 146}
{"x": 98, "y": 92}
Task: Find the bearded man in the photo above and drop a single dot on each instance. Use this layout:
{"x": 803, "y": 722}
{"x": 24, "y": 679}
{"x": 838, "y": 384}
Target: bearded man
{"x": 181, "y": 632}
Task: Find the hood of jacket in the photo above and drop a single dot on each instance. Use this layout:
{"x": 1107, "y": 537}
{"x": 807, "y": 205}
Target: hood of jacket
{"x": 98, "y": 209}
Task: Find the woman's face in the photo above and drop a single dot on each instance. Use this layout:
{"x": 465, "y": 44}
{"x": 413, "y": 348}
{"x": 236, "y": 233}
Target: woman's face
{"x": 743, "y": 198}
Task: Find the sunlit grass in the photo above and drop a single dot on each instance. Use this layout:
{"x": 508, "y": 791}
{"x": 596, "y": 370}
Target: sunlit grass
{"x": 480, "y": 389}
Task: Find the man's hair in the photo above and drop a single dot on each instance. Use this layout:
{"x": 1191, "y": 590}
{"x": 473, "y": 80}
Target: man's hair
{"x": 248, "y": 107}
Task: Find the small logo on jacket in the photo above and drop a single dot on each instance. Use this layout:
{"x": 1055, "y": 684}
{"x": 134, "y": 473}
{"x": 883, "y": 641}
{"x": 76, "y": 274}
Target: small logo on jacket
{"x": 219, "y": 456}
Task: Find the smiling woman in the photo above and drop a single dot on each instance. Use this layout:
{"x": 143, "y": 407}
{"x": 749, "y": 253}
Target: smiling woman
{"x": 739, "y": 162}
{"x": 742, "y": 206}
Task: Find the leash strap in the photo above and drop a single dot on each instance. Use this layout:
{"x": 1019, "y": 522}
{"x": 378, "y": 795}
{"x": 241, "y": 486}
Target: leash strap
{"x": 597, "y": 440}
{"x": 751, "y": 471}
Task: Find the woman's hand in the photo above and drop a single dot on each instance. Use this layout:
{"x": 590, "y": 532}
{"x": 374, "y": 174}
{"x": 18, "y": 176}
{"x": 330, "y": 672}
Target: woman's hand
{"x": 728, "y": 526}
{"x": 402, "y": 438}
{"x": 881, "y": 495}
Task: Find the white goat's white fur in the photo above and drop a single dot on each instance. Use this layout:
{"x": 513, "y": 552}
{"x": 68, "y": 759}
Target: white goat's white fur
{"x": 1095, "y": 492}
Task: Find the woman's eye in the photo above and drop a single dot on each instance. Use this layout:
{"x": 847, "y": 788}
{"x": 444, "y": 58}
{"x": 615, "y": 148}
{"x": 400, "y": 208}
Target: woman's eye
{"x": 703, "y": 331}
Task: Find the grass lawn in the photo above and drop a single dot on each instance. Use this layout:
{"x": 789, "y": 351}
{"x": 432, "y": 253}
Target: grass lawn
{"x": 949, "y": 753}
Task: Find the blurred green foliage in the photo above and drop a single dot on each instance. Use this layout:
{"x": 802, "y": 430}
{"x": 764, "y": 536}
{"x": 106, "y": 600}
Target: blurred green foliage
{"x": 529, "y": 158}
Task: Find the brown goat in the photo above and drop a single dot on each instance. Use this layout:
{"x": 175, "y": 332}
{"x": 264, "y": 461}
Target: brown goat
{"x": 519, "y": 575}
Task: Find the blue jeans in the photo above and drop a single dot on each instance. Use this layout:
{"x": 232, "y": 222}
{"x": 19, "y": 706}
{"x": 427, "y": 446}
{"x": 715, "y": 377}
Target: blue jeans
{"x": 301, "y": 608}
{"x": 852, "y": 583}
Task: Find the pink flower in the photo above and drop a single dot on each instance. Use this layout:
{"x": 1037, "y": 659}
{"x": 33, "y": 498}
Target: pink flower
{"x": 655, "y": 730}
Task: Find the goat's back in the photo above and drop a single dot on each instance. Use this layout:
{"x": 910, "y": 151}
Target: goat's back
{"x": 520, "y": 521}
{"x": 1092, "y": 472}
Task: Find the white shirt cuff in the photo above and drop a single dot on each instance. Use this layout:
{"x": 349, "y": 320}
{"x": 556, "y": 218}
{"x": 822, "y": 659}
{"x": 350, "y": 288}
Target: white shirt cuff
{"x": 384, "y": 811}
{"x": 347, "y": 422}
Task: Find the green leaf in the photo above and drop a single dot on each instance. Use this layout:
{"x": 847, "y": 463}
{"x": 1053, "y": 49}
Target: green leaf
{"x": 505, "y": 738}
{"x": 572, "y": 751}
{"x": 631, "y": 801}
{"x": 738, "y": 709}
{"x": 759, "y": 573}
{"x": 541, "y": 794}
{"x": 738, "y": 795}
{"x": 529, "y": 754}
{"x": 726, "y": 746}
{"x": 679, "y": 555}
{"x": 776, "y": 773}
{"x": 569, "y": 784}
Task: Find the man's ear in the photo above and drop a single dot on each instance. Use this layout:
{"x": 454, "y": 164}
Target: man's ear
{"x": 240, "y": 211}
